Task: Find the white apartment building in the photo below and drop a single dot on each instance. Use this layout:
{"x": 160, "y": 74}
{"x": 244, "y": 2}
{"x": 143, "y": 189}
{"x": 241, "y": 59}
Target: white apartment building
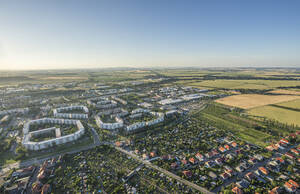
{"x": 30, "y": 145}
{"x": 118, "y": 124}
{"x": 134, "y": 126}
{"x": 59, "y": 112}
{"x": 102, "y": 103}
{"x": 13, "y": 111}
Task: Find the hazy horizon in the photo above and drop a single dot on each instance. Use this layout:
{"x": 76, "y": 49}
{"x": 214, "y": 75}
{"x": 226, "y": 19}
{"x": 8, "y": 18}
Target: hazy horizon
{"x": 143, "y": 34}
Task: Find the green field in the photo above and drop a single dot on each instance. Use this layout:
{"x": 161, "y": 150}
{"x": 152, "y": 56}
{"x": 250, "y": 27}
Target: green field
{"x": 291, "y": 104}
{"x": 246, "y": 134}
{"x": 246, "y": 84}
{"x": 280, "y": 114}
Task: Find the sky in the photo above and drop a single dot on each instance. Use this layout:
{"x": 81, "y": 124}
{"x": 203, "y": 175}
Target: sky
{"x": 53, "y": 34}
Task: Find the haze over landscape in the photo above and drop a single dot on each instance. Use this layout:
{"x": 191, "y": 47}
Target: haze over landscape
{"x": 95, "y": 34}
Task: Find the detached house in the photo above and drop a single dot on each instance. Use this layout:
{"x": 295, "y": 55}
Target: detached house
{"x": 200, "y": 157}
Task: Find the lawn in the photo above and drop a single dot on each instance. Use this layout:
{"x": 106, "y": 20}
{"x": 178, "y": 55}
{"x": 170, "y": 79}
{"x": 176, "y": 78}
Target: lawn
{"x": 247, "y": 101}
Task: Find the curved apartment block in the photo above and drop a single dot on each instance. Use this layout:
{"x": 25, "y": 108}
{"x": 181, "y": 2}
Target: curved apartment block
{"x": 30, "y": 145}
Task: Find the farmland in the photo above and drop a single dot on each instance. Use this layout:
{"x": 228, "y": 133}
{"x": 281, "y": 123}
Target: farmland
{"x": 247, "y": 101}
{"x": 245, "y": 84}
{"x": 285, "y": 112}
{"x": 289, "y": 92}
{"x": 280, "y": 114}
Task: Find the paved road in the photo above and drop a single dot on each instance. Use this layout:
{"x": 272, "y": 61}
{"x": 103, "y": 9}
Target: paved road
{"x": 95, "y": 135}
{"x": 149, "y": 164}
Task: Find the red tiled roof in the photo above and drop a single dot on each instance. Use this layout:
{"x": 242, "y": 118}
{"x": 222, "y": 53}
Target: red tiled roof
{"x": 293, "y": 183}
{"x": 227, "y": 147}
{"x": 187, "y": 173}
{"x": 263, "y": 170}
{"x": 192, "y": 160}
{"x": 237, "y": 190}
{"x": 233, "y": 144}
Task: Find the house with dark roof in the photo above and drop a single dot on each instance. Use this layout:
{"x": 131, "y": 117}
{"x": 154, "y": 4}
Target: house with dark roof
{"x": 243, "y": 184}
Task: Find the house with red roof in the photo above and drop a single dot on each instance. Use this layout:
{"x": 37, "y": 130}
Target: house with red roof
{"x": 290, "y": 156}
{"x": 222, "y": 149}
{"x": 263, "y": 170}
{"x": 285, "y": 141}
{"x": 289, "y": 187}
{"x": 275, "y": 190}
{"x": 227, "y": 147}
{"x": 200, "y": 157}
{"x": 294, "y": 183}
{"x": 152, "y": 154}
{"x": 224, "y": 176}
{"x": 184, "y": 162}
{"x": 192, "y": 160}
{"x": 279, "y": 160}
{"x": 234, "y": 144}
{"x": 294, "y": 151}
{"x": 187, "y": 173}
{"x": 237, "y": 190}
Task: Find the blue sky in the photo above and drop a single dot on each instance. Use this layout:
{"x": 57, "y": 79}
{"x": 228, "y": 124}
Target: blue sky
{"x": 139, "y": 33}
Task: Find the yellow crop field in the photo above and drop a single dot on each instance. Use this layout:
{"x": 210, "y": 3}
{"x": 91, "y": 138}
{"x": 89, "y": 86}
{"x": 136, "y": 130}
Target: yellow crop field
{"x": 290, "y": 92}
{"x": 248, "y": 101}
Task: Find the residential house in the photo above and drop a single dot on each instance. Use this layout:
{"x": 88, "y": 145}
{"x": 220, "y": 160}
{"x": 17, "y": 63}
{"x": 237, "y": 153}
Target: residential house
{"x": 294, "y": 151}
{"x": 192, "y": 161}
{"x": 243, "y": 184}
{"x": 263, "y": 170}
{"x": 250, "y": 176}
{"x": 234, "y": 144}
{"x": 237, "y": 190}
{"x": 219, "y": 161}
{"x": 222, "y": 149}
{"x": 200, "y": 157}
{"x": 224, "y": 176}
{"x": 187, "y": 173}
{"x": 276, "y": 190}
{"x": 209, "y": 164}
{"x": 290, "y": 156}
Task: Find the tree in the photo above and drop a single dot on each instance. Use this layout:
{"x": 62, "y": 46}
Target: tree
{"x": 290, "y": 168}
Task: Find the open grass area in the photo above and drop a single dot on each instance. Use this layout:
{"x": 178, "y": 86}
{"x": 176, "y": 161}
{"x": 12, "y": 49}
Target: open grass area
{"x": 280, "y": 114}
{"x": 247, "y": 101}
{"x": 7, "y": 158}
{"x": 246, "y": 134}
